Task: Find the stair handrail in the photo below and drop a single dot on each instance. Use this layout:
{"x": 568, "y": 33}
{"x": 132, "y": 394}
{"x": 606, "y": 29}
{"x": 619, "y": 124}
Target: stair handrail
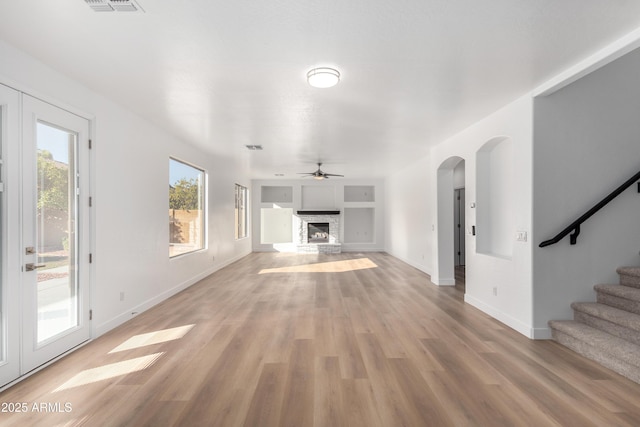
{"x": 575, "y": 225}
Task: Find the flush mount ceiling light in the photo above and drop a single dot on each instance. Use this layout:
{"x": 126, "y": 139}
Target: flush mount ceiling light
{"x": 114, "y": 5}
{"x": 323, "y": 77}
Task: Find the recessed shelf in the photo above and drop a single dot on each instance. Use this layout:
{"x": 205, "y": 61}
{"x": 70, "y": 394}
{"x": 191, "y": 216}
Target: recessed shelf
{"x": 359, "y": 225}
{"x": 276, "y": 194}
{"x": 359, "y": 193}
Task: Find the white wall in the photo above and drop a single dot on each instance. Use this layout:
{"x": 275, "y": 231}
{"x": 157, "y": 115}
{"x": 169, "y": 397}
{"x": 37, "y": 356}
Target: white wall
{"x": 130, "y": 181}
{"x": 458, "y": 176}
{"x": 414, "y": 216}
{"x": 498, "y": 286}
{"x": 587, "y": 142}
{"x": 329, "y": 195}
{"x": 409, "y": 215}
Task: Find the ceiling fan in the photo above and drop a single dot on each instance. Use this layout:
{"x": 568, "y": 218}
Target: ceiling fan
{"x": 319, "y": 174}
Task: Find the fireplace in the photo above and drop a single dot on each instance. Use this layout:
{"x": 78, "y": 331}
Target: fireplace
{"x": 318, "y": 232}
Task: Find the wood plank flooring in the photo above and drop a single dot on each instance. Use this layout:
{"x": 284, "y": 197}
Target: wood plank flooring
{"x": 321, "y": 340}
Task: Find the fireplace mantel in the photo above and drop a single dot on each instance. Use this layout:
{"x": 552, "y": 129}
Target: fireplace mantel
{"x": 318, "y": 212}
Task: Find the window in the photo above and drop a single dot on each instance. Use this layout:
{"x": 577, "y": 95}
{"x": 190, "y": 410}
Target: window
{"x": 186, "y": 208}
{"x": 241, "y": 211}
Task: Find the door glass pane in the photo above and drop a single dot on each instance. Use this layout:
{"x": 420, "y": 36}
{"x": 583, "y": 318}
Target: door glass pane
{"x": 57, "y": 278}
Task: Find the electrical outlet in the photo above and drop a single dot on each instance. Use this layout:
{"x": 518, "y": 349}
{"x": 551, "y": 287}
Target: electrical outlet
{"x": 495, "y": 291}
{"x": 121, "y": 296}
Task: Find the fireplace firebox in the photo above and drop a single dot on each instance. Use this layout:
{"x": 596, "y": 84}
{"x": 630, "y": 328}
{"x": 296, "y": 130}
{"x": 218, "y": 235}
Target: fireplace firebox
{"x": 318, "y": 232}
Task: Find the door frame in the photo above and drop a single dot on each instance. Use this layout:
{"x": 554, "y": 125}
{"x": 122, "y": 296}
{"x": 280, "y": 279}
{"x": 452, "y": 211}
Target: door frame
{"x": 11, "y": 333}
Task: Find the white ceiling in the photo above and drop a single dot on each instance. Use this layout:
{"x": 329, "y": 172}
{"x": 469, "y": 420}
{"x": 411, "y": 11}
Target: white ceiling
{"x": 223, "y": 74}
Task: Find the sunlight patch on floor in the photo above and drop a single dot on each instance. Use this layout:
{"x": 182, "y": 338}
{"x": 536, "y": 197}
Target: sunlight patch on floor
{"x": 325, "y": 267}
{"x": 105, "y": 372}
{"x": 151, "y": 338}
{"x": 73, "y": 422}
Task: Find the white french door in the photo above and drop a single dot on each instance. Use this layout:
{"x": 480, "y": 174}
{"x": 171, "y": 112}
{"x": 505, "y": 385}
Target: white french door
{"x": 55, "y": 231}
{"x": 44, "y": 288}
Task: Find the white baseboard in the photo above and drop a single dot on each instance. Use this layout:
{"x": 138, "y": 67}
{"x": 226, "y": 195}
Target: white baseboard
{"x": 140, "y": 308}
{"x": 418, "y": 266}
{"x": 515, "y": 324}
{"x": 443, "y": 282}
{"x": 348, "y": 249}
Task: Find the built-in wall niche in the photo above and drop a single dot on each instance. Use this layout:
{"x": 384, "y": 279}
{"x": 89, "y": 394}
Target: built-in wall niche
{"x": 359, "y": 193}
{"x": 276, "y": 225}
{"x": 276, "y": 194}
{"x": 495, "y": 191}
{"x": 318, "y": 197}
{"x": 359, "y": 225}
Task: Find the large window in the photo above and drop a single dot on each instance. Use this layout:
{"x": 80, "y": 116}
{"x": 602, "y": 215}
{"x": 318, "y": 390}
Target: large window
{"x": 241, "y": 211}
{"x": 186, "y": 208}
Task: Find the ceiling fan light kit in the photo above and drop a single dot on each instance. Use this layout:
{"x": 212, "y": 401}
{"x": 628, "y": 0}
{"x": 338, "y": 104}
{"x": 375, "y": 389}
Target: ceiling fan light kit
{"x": 319, "y": 174}
{"x": 323, "y": 77}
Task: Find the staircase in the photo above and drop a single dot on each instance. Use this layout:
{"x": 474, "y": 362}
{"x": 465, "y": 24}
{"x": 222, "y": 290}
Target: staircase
{"x": 607, "y": 331}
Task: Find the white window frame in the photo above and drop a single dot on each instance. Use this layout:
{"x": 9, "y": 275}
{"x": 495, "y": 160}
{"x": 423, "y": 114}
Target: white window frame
{"x": 201, "y": 229}
{"x": 241, "y": 206}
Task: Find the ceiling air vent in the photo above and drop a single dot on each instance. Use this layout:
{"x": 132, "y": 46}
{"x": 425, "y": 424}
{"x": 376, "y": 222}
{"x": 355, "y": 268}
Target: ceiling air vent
{"x": 254, "y": 147}
{"x": 114, "y": 5}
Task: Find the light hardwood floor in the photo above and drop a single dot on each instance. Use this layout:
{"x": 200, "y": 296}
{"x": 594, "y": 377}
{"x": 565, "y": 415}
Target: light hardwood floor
{"x": 312, "y": 340}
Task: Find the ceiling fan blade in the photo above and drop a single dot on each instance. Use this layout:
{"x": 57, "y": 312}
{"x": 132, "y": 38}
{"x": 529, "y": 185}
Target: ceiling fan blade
{"x": 319, "y": 173}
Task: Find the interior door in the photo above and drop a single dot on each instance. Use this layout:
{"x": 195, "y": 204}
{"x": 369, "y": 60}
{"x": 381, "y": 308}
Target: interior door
{"x": 55, "y": 232}
{"x": 10, "y": 235}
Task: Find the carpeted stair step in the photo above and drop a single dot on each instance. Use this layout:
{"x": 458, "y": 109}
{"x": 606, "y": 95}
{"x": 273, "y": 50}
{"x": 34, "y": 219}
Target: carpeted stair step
{"x": 629, "y": 276}
{"x": 611, "y": 352}
{"x": 620, "y": 323}
{"x": 622, "y": 297}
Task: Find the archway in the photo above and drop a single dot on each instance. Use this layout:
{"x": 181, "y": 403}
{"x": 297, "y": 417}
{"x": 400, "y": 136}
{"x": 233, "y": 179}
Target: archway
{"x": 448, "y": 178}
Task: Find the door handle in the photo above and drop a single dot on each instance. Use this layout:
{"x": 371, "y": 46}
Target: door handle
{"x": 31, "y": 266}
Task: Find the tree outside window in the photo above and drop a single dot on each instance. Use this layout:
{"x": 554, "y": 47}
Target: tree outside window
{"x": 241, "y": 212}
{"x": 186, "y": 208}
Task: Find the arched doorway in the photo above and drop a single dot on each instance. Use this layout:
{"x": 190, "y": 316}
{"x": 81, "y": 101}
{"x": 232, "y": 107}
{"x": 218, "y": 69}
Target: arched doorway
{"x": 459, "y": 220}
{"x": 450, "y": 178}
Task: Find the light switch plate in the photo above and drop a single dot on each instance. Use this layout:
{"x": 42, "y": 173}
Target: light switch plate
{"x": 521, "y": 236}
